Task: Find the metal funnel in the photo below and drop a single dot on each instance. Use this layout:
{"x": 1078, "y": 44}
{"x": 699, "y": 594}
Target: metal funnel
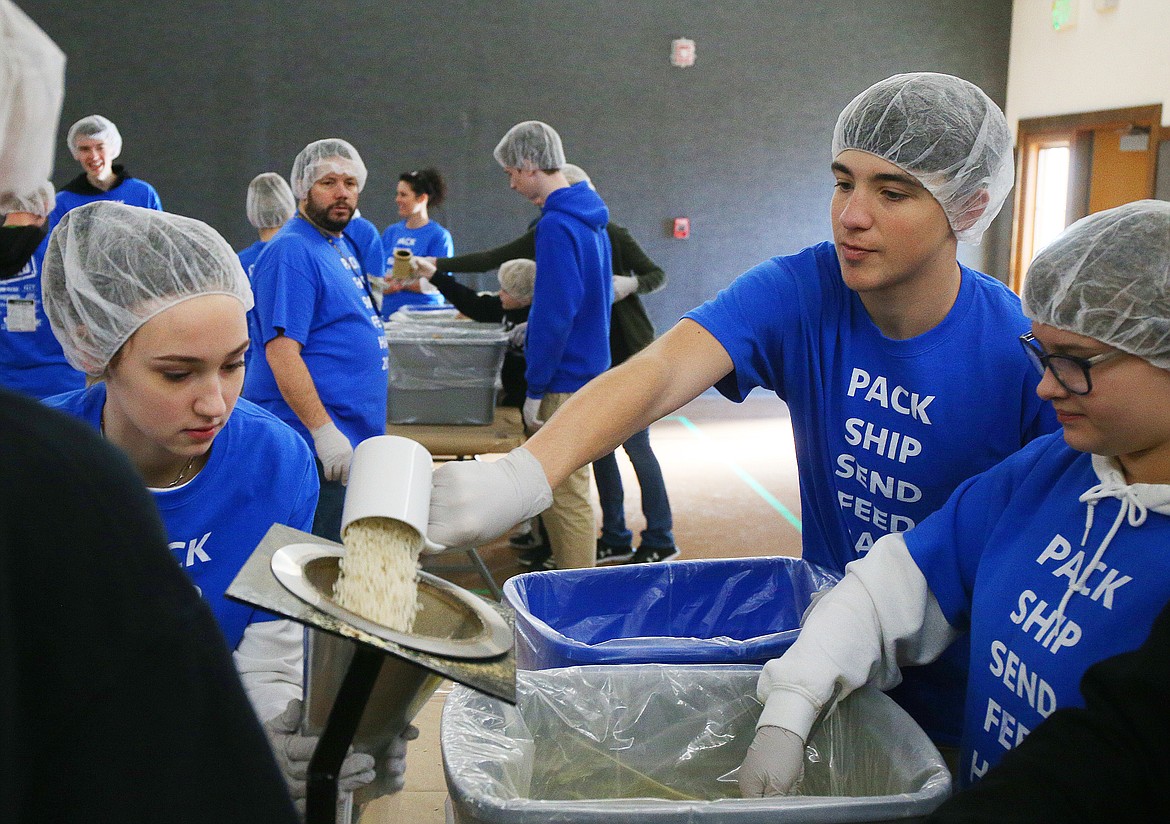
{"x": 365, "y": 682}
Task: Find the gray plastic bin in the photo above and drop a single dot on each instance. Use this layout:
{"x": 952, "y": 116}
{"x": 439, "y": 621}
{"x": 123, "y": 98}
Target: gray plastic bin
{"x": 658, "y": 743}
{"x": 443, "y": 373}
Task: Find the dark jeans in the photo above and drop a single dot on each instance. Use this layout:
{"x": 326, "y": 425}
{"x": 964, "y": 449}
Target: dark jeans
{"x": 655, "y": 504}
{"x": 327, "y": 518}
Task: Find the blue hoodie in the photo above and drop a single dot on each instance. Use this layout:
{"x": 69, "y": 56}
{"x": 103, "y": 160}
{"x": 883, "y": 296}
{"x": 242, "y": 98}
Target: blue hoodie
{"x": 568, "y": 325}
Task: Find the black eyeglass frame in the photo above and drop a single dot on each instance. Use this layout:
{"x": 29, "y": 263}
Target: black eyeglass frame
{"x": 1042, "y": 361}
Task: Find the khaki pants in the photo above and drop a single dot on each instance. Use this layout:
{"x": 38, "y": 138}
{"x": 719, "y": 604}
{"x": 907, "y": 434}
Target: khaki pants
{"x": 570, "y": 521}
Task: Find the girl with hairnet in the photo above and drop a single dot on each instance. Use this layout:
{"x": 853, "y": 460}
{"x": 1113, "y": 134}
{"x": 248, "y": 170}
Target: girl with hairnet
{"x": 152, "y": 306}
{"x": 877, "y": 341}
{"x": 269, "y": 206}
{"x": 1052, "y": 560}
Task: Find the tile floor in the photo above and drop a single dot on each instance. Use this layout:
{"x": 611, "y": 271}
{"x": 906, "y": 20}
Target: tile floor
{"x": 730, "y": 471}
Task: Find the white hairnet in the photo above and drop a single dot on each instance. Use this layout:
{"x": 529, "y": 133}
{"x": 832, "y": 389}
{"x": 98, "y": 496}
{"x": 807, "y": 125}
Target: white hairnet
{"x": 270, "y": 201}
{"x": 322, "y": 157}
{"x": 575, "y": 174}
{"x": 530, "y": 145}
{"x": 111, "y": 267}
{"x": 518, "y": 277}
{"x": 99, "y": 128}
{"x": 1108, "y": 277}
{"x": 32, "y": 88}
{"x": 38, "y": 201}
{"x": 946, "y": 133}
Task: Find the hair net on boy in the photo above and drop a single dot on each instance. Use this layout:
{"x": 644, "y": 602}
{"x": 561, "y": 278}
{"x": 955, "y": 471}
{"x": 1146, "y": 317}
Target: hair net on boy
{"x": 518, "y": 277}
{"x": 111, "y": 267}
{"x": 945, "y": 132}
{"x": 39, "y": 201}
{"x": 1108, "y": 277}
{"x": 530, "y": 145}
{"x": 99, "y": 128}
{"x": 270, "y": 201}
{"x": 323, "y": 157}
{"x": 575, "y": 174}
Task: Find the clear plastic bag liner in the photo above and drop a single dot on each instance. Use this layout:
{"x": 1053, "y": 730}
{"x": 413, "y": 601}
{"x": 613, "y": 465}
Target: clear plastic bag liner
{"x": 650, "y": 742}
{"x": 740, "y": 610}
{"x": 424, "y": 356}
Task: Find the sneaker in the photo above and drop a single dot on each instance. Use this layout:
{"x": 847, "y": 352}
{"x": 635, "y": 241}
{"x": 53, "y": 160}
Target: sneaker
{"x": 654, "y": 554}
{"x": 608, "y": 554}
{"x": 523, "y": 540}
{"x": 539, "y": 557}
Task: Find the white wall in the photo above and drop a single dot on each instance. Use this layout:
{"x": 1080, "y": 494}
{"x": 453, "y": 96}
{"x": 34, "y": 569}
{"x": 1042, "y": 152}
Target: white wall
{"x": 1108, "y": 60}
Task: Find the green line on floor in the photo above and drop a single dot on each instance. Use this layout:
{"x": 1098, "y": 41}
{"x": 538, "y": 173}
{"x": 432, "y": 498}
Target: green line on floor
{"x": 755, "y": 486}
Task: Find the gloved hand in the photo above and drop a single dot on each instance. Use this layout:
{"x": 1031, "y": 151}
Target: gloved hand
{"x": 293, "y": 752}
{"x": 518, "y": 335}
{"x": 774, "y": 764}
{"x": 473, "y": 502}
{"x": 377, "y": 284}
{"x": 624, "y": 286}
{"x": 422, "y": 267}
{"x": 334, "y": 450}
{"x": 396, "y": 759}
{"x": 531, "y": 413}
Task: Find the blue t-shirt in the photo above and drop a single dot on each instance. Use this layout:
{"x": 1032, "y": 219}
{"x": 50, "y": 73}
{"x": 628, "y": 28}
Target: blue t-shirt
{"x": 884, "y": 429}
{"x": 1001, "y": 555}
{"x": 363, "y": 234}
{"x": 31, "y": 360}
{"x": 568, "y": 325}
{"x": 248, "y": 258}
{"x": 428, "y": 240}
{"x": 131, "y": 191}
{"x": 259, "y": 474}
{"x": 311, "y": 287}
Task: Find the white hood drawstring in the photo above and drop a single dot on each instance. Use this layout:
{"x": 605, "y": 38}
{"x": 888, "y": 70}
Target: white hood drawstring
{"x": 1136, "y": 502}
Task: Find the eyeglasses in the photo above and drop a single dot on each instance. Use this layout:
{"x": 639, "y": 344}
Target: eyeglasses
{"x": 1070, "y": 371}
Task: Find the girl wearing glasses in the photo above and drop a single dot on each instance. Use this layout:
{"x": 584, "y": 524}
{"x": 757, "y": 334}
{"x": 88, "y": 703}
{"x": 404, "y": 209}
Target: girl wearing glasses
{"x": 1054, "y": 559}
{"x": 418, "y": 192}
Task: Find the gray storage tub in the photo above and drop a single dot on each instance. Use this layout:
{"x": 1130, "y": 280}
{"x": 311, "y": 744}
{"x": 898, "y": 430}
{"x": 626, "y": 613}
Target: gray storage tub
{"x": 657, "y": 743}
{"x": 443, "y": 373}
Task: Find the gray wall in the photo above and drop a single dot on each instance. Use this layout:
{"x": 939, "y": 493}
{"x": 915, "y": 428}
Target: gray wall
{"x": 209, "y": 94}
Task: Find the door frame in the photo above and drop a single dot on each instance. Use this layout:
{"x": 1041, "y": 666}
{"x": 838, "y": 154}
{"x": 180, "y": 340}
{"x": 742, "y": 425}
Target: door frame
{"x": 1035, "y": 133}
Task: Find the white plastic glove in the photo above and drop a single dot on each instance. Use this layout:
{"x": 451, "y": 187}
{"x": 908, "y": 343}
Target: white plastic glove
{"x": 334, "y": 450}
{"x": 774, "y": 764}
{"x": 517, "y": 336}
{"x": 396, "y": 759}
{"x": 624, "y": 286}
{"x": 293, "y": 752}
{"x": 473, "y": 502}
{"x": 422, "y": 267}
{"x": 531, "y": 413}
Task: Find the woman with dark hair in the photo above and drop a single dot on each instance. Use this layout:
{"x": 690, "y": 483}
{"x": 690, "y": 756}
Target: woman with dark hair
{"x": 418, "y": 192}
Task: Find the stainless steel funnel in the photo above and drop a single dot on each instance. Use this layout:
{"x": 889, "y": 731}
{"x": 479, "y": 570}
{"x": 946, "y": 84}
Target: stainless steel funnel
{"x": 365, "y": 682}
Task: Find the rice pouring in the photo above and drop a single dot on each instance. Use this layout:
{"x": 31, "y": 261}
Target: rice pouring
{"x": 378, "y": 576}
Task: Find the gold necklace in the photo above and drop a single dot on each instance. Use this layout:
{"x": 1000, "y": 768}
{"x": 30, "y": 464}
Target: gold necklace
{"x": 182, "y": 473}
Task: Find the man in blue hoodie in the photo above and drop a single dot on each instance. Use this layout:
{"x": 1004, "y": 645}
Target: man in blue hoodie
{"x": 568, "y": 325}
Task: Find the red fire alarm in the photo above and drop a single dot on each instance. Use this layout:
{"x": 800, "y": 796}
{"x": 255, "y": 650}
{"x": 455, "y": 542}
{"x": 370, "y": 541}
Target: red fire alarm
{"x": 682, "y": 228}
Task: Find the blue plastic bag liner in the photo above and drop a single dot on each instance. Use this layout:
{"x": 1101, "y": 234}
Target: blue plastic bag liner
{"x": 738, "y": 610}
{"x": 651, "y": 743}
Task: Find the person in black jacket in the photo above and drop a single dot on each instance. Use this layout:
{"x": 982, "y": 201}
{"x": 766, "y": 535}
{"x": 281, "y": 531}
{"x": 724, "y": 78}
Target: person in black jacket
{"x": 120, "y": 696}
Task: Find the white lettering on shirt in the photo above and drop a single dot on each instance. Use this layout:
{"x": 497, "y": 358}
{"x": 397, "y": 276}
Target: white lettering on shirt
{"x": 1099, "y": 588}
{"x": 900, "y": 399}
